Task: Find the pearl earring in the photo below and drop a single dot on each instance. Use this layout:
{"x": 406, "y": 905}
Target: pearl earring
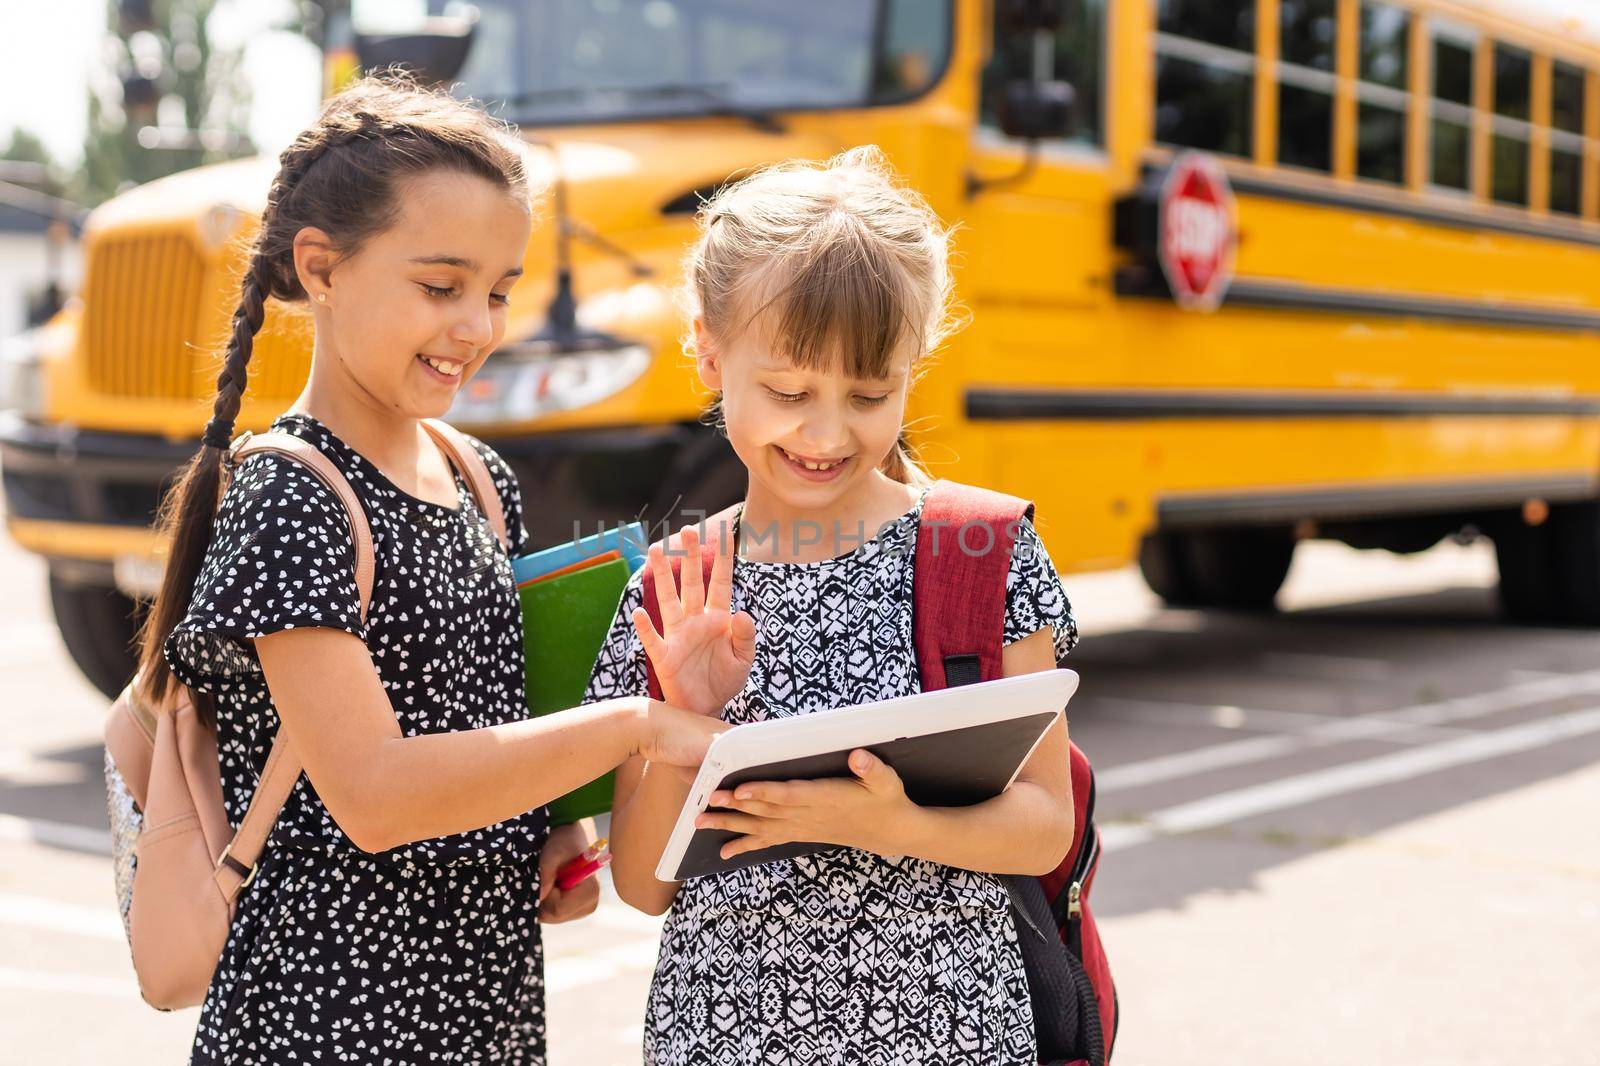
{"x": 322, "y": 297}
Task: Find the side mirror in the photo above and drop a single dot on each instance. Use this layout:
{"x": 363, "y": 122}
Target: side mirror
{"x": 436, "y": 52}
{"x": 1036, "y": 110}
{"x": 1030, "y": 16}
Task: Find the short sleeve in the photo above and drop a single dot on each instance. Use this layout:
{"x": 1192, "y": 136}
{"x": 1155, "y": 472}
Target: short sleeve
{"x": 505, "y": 482}
{"x": 1034, "y": 596}
{"x": 620, "y": 668}
{"x": 281, "y": 557}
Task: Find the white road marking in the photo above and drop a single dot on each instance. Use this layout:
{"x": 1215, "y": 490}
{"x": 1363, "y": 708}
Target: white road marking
{"x": 1227, "y": 716}
{"x": 75, "y": 983}
{"x": 619, "y": 917}
{"x": 21, "y": 767}
{"x": 1377, "y": 726}
{"x": 35, "y": 912}
{"x": 1227, "y": 807}
{"x": 55, "y": 834}
{"x": 563, "y": 973}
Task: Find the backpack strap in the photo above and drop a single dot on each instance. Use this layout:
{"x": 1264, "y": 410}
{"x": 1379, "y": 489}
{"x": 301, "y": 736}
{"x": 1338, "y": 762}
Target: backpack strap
{"x": 958, "y": 586}
{"x": 237, "y": 864}
{"x": 958, "y": 621}
{"x": 465, "y": 458}
{"x": 712, "y": 530}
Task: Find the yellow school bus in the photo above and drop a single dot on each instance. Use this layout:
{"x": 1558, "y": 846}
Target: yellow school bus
{"x": 1396, "y": 341}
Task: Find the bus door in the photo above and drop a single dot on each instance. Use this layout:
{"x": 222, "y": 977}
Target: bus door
{"x": 1035, "y": 272}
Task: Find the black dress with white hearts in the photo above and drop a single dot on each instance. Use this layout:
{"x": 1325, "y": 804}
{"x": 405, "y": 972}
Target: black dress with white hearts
{"x": 841, "y": 957}
{"x": 429, "y": 952}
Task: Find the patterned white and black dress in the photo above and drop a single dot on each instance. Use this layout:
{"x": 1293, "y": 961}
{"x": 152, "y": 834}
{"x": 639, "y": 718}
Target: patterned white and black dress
{"x": 842, "y": 957}
{"x": 426, "y": 953}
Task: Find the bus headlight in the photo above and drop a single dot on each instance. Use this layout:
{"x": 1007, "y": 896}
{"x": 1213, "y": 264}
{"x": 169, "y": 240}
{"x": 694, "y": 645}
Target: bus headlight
{"x": 22, "y": 374}
{"x": 523, "y": 381}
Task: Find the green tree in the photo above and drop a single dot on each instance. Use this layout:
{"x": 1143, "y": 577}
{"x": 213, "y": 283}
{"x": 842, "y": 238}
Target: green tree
{"x": 42, "y": 172}
{"x": 172, "y": 100}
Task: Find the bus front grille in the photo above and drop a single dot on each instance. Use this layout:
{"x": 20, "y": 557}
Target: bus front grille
{"x": 155, "y": 328}
{"x": 142, "y": 307}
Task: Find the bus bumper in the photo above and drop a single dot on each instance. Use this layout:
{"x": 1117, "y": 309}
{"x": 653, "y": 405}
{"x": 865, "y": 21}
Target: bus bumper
{"x": 88, "y": 498}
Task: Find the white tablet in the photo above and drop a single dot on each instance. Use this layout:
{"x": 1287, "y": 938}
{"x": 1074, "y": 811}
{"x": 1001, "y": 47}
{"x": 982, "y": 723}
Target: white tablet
{"x": 953, "y": 747}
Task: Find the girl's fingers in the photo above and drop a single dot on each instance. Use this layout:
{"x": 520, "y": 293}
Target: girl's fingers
{"x": 742, "y": 630}
{"x": 654, "y": 646}
{"x": 693, "y": 571}
{"x": 754, "y": 807}
{"x": 732, "y": 821}
{"x": 719, "y": 595}
{"x": 740, "y": 845}
{"x": 774, "y": 793}
{"x": 872, "y": 771}
{"x": 666, "y": 589}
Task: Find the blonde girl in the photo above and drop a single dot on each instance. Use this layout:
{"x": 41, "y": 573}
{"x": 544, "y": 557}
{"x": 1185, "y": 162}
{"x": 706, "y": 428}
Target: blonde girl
{"x": 395, "y": 914}
{"x": 816, "y": 291}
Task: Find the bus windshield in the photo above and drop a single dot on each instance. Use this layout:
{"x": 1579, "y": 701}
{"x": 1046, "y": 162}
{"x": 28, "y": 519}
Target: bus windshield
{"x": 567, "y": 61}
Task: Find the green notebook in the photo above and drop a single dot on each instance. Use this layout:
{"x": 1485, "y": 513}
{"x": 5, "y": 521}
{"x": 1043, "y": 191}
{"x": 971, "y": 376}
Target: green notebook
{"x": 564, "y": 622}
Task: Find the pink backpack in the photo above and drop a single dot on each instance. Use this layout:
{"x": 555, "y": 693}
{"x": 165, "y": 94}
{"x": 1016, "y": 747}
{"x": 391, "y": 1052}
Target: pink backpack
{"x": 958, "y": 616}
{"x": 179, "y": 865}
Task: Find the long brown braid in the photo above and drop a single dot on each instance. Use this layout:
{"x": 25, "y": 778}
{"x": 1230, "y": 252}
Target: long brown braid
{"x": 341, "y": 175}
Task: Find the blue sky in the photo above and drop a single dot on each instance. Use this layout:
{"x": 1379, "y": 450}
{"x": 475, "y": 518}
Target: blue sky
{"x": 51, "y": 58}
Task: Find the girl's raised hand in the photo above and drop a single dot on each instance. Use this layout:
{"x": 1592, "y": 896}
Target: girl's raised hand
{"x": 705, "y": 652}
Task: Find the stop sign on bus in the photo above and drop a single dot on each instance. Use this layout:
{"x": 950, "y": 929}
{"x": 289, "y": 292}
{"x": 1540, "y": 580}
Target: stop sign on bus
{"x": 1198, "y": 230}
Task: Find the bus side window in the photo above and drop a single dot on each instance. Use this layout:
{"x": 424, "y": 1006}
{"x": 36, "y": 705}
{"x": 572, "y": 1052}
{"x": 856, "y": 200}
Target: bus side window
{"x": 1513, "y": 89}
{"x": 1384, "y": 40}
{"x": 1205, "y": 75}
{"x": 1452, "y": 107}
{"x": 1308, "y": 32}
{"x": 1566, "y": 139}
{"x": 1079, "y": 61}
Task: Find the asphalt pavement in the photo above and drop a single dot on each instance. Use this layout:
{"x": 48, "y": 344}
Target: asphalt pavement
{"x": 1362, "y": 828}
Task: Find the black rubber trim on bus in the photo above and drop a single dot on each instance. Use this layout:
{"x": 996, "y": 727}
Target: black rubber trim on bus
{"x": 1294, "y": 296}
{"x": 1232, "y": 509}
{"x": 990, "y": 405}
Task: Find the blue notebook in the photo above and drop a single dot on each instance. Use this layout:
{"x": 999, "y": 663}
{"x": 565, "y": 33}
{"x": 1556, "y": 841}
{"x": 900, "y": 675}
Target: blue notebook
{"x": 629, "y": 540}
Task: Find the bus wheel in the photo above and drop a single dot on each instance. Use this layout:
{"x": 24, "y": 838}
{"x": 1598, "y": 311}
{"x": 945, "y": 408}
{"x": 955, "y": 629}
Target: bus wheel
{"x": 1526, "y": 556}
{"x": 1239, "y": 568}
{"x": 1165, "y": 566}
{"x": 1574, "y": 569}
{"x": 97, "y": 624}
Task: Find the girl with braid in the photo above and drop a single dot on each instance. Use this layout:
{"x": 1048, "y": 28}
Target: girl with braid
{"x": 394, "y": 916}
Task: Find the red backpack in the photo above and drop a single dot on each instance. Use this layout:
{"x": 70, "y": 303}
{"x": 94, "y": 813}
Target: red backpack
{"x": 958, "y": 612}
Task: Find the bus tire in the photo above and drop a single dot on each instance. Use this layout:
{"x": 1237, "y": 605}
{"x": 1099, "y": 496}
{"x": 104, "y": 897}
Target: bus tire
{"x": 1525, "y": 556}
{"x": 97, "y": 623}
{"x": 1573, "y": 572}
{"x": 1239, "y": 568}
{"x": 1165, "y": 566}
